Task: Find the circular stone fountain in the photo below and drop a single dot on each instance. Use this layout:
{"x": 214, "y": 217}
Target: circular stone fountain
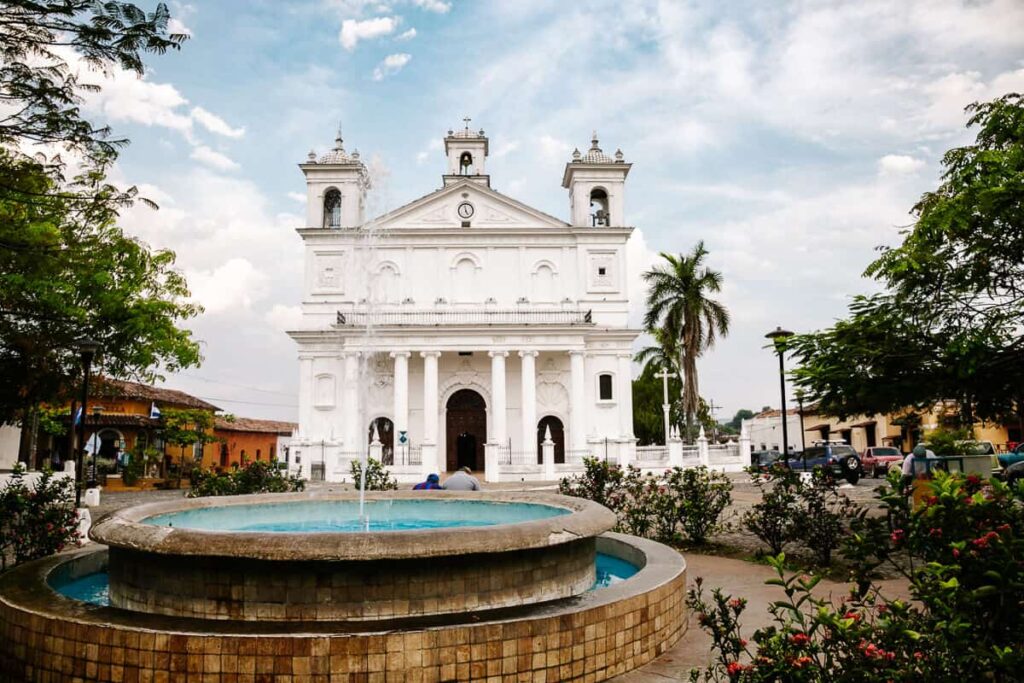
{"x": 275, "y": 558}
{"x": 437, "y": 586}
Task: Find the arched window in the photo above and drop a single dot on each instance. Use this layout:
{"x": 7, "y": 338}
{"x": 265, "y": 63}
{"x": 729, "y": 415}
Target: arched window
{"x": 466, "y": 164}
{"x": 332, "y": 209}
{"x": 605, "y": 382}
{"x": 599, "y": 207}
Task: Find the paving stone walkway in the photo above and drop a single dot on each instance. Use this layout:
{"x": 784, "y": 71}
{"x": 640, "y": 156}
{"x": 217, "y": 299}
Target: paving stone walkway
{"x": 741, "y": 579}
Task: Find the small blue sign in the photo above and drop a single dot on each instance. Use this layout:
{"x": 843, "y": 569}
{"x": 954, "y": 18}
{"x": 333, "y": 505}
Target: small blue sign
{"x": 402, "y": 437}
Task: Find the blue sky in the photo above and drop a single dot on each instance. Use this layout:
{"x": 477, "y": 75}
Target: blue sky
{"x": 792, "y": 137}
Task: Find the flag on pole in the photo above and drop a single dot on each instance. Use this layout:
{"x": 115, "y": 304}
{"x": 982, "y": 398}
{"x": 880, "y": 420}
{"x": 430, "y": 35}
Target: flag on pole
{"x": 154, "y": 412}
{"x": 78, "y": 416}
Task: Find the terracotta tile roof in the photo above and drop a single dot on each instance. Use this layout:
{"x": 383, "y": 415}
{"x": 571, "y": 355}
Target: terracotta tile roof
{"x": 249, "y": 424}
{"x": 774, "y": 412}
{"x": 106, "y": 387}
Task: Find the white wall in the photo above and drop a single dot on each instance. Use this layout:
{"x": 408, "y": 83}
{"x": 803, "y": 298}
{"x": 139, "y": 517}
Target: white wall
{"x": 10, "y": 441}
{"x": 766, "y": 432}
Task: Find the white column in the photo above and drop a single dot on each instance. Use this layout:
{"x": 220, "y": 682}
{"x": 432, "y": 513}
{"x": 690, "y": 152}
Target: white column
{"x": 353, "y": 440}
{"x": 577, "y": 399}
{"x": 401, "y": 397}
{"x": 547, "y": 448}
{"x": 529, "y": 395}
{"x": 430, "y": 410}
{"x": 625, "y": 397}
{"x": 499, "y": 420}
{"x": 306, "y": 395}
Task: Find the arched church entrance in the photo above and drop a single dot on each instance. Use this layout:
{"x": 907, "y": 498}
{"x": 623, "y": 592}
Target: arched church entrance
{"x": 386, "y": 435}
{"x": 557, "y": 435}
{"x": 466, "y": 430}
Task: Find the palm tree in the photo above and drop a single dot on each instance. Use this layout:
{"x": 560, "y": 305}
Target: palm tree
{"x": 683, "y": 319}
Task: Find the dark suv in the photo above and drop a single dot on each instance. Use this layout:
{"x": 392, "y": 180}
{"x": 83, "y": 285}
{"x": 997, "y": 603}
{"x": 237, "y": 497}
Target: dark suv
{"x": 838, "y": 459}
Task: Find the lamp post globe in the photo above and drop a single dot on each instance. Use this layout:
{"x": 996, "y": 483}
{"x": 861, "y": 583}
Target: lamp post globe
{"x": 87, "y": 349}
{"x": 779, "y": 337}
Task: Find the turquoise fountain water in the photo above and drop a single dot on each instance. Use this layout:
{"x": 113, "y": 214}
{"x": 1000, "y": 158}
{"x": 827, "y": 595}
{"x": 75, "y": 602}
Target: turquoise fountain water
{"x": 355, "y": 516}
{"x": 95, "y": 588}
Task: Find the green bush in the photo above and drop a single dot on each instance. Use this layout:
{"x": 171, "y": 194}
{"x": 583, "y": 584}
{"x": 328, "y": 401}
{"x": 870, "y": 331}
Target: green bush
{"x": 36, "y": 521}
{"x": 255, "y": 477}
{"x": 960, "y": 552}
{"x": 680, "y": 505}
{"x": 774, "y": 518}
{"x": 377, "y": 476}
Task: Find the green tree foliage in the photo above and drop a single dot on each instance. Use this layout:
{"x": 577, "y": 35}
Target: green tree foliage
{"x": 66, "y": 269}
{"x": 254, "y": 477}
{"x": 648, "y": 415}
{"x": 378, "y": 478}
{"x": 43, "y": 89}
{"x": 683, "y": 318}
{"x": 65, "y": 273}
{"x": 186, "y": 427}
{"x": 947, "y": 325}
{"x": 36, "y": 520}
{"x": 736, "y": 423}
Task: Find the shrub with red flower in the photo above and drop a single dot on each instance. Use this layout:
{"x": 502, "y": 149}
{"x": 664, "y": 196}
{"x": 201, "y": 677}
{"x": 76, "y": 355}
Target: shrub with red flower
{"x": 965, "y": 566}
{"x": 36, "y": 520}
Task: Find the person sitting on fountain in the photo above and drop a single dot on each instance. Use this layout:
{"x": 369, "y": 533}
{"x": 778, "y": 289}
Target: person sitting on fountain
{"x": 462, "y": 480}
{"x": 433, "y": 482}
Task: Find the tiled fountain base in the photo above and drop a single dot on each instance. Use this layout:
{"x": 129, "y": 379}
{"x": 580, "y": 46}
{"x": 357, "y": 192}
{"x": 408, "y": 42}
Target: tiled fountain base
{"x": 47, "y": 637}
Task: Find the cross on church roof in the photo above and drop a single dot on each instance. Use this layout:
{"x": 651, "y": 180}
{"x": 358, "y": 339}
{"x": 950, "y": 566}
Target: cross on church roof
{"x": 466, "y": 120}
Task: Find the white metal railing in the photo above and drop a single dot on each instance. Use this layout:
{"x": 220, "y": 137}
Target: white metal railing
{"x": 723, "y": 452}
{"x": 468, "y": 317}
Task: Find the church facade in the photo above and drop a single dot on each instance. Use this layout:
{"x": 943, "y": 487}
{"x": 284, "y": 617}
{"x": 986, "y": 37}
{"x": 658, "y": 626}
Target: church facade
{"x": 464, "y": 328}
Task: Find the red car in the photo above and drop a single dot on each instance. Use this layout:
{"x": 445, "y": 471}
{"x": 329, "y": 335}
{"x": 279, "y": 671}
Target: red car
{"x": 877, "y": 459}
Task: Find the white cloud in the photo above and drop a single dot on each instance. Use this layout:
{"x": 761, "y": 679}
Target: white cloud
{"x": 353, "y": 30}
{"x": 284, "y": 318}
{"x": 205, "y": 155}
{"x": 215, "y": 124}
{"x": 236, "y": 283}
{"x": 407, "y": 35}
{"x": 391, "y": 65}
{"x": 553, "y": 149}
{"x": 297, "y": 196}
{"x": 505, "y": 147}
{"x": 439, "y": 6}
{"x": 899, "y": 164}
{"x": 180, "y": 12}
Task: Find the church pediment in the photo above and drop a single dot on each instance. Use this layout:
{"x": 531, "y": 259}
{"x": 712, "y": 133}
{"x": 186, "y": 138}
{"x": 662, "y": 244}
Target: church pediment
{"x": 466, "y": 202}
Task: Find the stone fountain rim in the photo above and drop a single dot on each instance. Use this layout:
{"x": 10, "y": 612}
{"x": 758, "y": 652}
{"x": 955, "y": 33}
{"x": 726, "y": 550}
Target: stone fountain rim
{"x": 124, "y": 529}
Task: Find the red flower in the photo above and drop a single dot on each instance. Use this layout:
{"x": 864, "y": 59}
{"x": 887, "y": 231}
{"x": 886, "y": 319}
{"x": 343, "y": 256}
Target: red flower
{"x": 853, "y": 615}
{"x": 735, "y": 668}
{"x": 801, "y": 662}
{"x": 737, "y": 603}
{"x": 897, "y": 536}
{"x": 799, "y": 639}
{"x": 935, "y": 533}
{"x": 956, "y": 553}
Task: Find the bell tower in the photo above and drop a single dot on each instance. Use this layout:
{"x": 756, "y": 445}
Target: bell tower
{"x": 596, "y": 184}
{"x": 336, "y": 185}
{"x": 467, "y": 152}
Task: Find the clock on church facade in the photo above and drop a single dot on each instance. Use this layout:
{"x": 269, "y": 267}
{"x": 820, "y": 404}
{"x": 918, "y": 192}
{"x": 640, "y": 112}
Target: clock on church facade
{"x": 464, "y": 328}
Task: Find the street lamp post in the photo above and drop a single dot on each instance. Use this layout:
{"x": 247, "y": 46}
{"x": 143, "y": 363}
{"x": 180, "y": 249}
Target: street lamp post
{"x": 779, "y": 337}
{"x": 87, "y": 349}
{"x": 800, "y": 402}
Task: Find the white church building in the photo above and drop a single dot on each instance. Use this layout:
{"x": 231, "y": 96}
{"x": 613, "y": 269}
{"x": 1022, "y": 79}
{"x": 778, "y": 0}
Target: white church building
{"x": 464, "y": 328}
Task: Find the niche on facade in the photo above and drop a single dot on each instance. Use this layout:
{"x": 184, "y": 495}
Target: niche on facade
{"x": 544, "y": 282}
{"x": 323, "y": 391}
{"x": 386, "y": 284}
{"x": 465, "y": 277}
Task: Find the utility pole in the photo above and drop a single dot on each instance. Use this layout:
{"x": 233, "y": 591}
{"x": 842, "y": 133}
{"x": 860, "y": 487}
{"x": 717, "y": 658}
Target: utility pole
{"x": 714, "y": 419}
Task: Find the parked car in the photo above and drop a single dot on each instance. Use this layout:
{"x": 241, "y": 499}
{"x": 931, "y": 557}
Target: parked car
{"x": 1014, "y": 473}
{"x": 1014, "y": 456}
{"x": 838, "y": 459}
{"x": 763, "y": 460}
{"x": 876, "y": 460}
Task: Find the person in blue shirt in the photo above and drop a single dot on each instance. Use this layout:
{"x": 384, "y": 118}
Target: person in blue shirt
{"x": 433, "y": 482}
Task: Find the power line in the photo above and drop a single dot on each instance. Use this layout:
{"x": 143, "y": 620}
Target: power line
{"x": 252, "y": 403}
{"x": 232, "y": 384}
